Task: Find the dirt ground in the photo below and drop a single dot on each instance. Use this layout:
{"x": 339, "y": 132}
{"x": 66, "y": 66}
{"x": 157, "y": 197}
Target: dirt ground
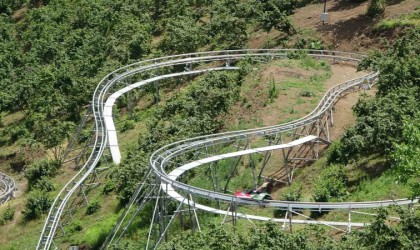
{"x": 349, "y": 28}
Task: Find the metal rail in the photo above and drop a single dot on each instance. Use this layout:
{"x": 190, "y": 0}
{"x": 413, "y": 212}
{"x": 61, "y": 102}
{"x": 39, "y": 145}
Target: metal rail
{"x": 161, "y": 157}
{"x": 7, "y": 188}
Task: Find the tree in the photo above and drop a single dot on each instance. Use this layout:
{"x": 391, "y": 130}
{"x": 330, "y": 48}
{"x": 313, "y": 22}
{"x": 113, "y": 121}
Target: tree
{"x": 127, "y": 176}
{"x": 380, "y": 119}
{"x": 275, "y": 15}
{"x": 331, "y": 185}
{"x": 38, "y": 203}
{"x": 182, "y": 35}
{"x": 399, "y": 64}
{"x": 407, "y": 154}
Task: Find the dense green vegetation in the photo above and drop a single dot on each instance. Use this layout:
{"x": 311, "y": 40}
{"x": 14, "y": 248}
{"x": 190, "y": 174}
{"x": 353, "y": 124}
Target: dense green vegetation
{"x": 52, "y": 59}
{"x": 379, "y": 235}
{"x": 54, "y": 52}
{"x": 196, "y": 111}
{"x": 380, "y": 123}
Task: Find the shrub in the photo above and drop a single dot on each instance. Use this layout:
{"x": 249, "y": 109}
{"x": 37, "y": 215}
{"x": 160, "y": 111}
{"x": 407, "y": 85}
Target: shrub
{"x": 108, "y": 187}
{"x": 44, "y": 184}
{"x": 93, "y": 207}
{"x": 331, "y": 184}
{"x": 127, "y": 125}
{"x": 38, "y": 203}
{"x": 293, "y": 193}
{"x": 306, "y": 93}
{"x": 75, "y": 226}
{"x": 376, "y": 7}
{"x": 39, "y": 169}
{"x": 7, "y": 215}
{"x": 406, "y": 155}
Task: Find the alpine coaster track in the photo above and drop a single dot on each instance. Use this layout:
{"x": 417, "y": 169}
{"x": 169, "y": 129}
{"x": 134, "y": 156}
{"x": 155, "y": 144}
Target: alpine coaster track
{"x": 310, "y": 131}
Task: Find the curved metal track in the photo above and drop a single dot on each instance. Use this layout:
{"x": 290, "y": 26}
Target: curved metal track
{"x": 7, "y": 188}
{"x": 161, "y": 158}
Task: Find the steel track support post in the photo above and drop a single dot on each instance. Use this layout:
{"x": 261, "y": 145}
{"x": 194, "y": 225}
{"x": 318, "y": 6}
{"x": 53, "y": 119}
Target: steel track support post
{"x": 316, "y": 143}
{"x": 195, "y": 214}
{"x": 62, "y": 228}
{"x": 327, "y": 128}
{"x": 84, "y": 195}
{"x": 214, "y": 180}
{"x": 143, "y": 203}
{"x": 234, "y": 211}
{"x": 234, "y": 168}
{"x": 162, "y": 235}
{"x": 331, "y": 117}
{"x": 127, "y": 208}
{"x": 349, "y": 226}
{"x": 152, "y": 228}
{"x": 181, "y": 217}
{"x": 226, "y": 214}
{"x": 285, "y": 219}
{"x": 162, "y": 214}
{"x": 287, "y": 167}
{"x": 268, "y": 154}
{"x": 190, "y": 215}
{"x": 290, "y": 219}
{"x": 252, "y": 165}
{"x": 411, "y": 206}
{"x": 156, "y": 93}
{"x": 212, "y": 175}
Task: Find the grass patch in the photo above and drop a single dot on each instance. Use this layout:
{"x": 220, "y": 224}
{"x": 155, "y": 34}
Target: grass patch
{"x": 410, "y": 20}
{"x": 382, "y": 188}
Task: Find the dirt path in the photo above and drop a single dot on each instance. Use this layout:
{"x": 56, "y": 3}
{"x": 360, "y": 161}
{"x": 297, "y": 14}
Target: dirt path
{"x": 343, "y": 115}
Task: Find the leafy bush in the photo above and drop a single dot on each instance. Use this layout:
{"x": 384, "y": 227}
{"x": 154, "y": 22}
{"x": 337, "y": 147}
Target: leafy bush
{"x": 376, "y": 7}
{"x": 399, "y": 64}
{"x": 182, "y": 35}
{"x": 380, "y": 119}
{"x": 275, "y": 14}
{"x": 7, "y": 215}
{"x": 8, "y": 6}
{"x": 379, "y": 125}
{"x": 38, "y": 202}
{"x": 93, "y": 207}
{"x": 44, "y": 184}
{"x": 75, "y": 226}
{"x": 292, "y": 193}
{"x": 228, "y": 32}
{"x": 109, "y": 186}
{"x": 306, "y": 93}
{"x": 127, "y": 125}
{"x": 309, "y": 43}
{"x": 128, "y": 175}
{"x": 407, "y": 154}
{"x": 40, "y": 169}
{"x": 331, "y": 185}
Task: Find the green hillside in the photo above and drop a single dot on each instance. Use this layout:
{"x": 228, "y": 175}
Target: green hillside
{"x": 53, "y": 53}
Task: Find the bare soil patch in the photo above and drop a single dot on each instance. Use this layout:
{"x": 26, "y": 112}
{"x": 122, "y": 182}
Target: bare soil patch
{"x": 349, "y": 28}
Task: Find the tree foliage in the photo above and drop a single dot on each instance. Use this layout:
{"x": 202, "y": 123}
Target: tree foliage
{"x": 380, "y": 119}
{"x": 407, "y": 154}
{"x": 38, "y": 203}
{"x": 275, "y": 15}
{"x": 331, "y": 184}
{"x": 378, "y": 235}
